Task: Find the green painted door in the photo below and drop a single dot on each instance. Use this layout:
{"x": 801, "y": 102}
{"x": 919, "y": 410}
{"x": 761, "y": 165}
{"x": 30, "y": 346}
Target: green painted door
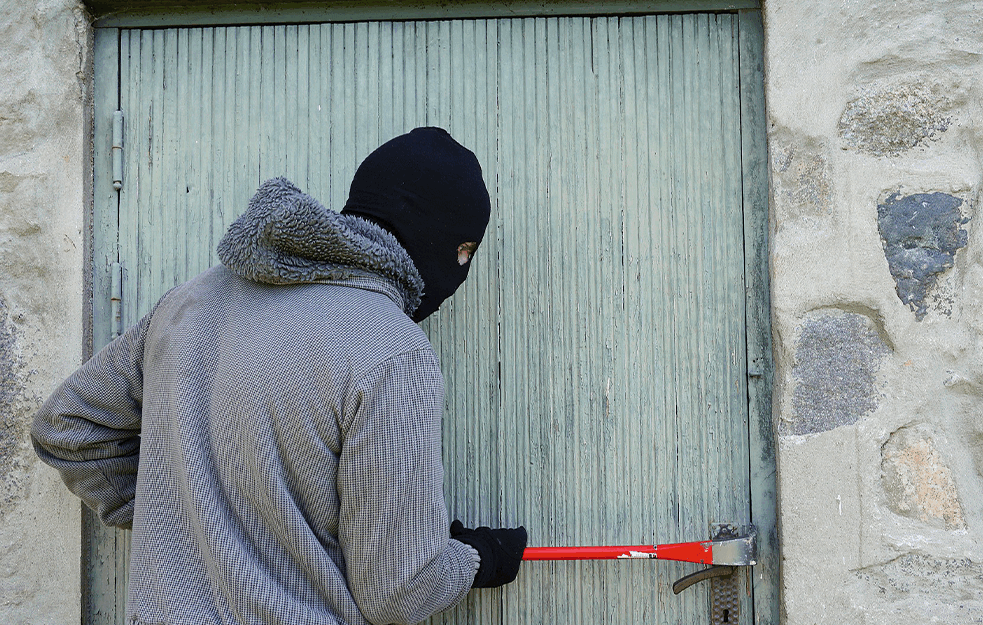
{"x": 606, "y": 363}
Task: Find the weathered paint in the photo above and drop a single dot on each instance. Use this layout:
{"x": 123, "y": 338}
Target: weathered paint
{"x": 597, "y": 355}
{"x": 821, "y": 56}
{"x": 155, "y": 13}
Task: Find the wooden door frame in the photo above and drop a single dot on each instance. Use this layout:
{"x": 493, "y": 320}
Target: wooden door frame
{"x": 99, "y": 545}
{"x": 168, "y": 13}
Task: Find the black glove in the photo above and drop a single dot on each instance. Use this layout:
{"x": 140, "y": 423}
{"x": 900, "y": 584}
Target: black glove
{"x": 500, "y": 551}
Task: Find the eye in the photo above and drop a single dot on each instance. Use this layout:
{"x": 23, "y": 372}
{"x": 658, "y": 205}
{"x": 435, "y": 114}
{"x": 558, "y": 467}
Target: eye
{"x": 465, "y": 251}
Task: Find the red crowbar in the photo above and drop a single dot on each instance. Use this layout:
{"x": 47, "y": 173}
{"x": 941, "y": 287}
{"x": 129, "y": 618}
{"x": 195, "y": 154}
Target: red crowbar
{"x": 737, "y": 551}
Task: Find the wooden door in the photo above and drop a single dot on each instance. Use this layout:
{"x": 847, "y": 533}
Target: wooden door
{"x": 597, "y": 360}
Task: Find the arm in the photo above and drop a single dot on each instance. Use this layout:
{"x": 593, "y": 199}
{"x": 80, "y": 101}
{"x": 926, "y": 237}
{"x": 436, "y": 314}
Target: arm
{"x": 89, "y": 429}
{"x": 401, "y": 566}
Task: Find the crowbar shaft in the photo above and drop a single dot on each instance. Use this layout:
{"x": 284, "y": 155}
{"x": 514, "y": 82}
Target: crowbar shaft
{"x": 739, "y": 551}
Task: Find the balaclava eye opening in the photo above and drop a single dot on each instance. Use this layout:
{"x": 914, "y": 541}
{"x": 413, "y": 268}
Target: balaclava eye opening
{"x": 426, "y": 189}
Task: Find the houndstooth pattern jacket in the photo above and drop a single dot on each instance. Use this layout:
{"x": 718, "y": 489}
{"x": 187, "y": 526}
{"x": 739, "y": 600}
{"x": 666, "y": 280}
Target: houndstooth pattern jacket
{"x": 271, "y": 432}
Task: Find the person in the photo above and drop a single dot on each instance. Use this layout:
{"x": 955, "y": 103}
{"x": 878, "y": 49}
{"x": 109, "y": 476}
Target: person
{"x": 271, "y": 429}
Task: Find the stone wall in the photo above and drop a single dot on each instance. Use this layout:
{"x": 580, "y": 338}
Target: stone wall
{"x": 875, "y": 137}
{"x": 43, "y": 154}
{"x": 875, "y": 134}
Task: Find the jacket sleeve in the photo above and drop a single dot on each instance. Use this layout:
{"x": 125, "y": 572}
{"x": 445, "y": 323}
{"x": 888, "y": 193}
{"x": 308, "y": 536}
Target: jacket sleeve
{"x": 89, "y": 429}
{"x": 401, "y": 565}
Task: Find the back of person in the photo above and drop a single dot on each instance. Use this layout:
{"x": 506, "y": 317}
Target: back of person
{"x": 250, "y": 385}
{"x": 271, "y": 429}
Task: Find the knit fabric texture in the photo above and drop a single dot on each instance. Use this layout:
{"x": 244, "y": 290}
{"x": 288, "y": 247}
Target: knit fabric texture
{"x": 271, "y": 432}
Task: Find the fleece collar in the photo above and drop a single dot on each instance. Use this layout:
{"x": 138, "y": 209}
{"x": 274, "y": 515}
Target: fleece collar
{"x": 287, "y": 237}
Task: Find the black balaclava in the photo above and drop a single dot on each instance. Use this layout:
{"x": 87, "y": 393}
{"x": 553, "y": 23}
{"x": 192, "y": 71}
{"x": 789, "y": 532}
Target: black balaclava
{"x": 426, "y": 189}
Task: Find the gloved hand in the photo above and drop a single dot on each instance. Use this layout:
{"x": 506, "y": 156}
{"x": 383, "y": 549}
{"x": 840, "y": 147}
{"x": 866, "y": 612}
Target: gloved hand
{"x": 500, "y": 551}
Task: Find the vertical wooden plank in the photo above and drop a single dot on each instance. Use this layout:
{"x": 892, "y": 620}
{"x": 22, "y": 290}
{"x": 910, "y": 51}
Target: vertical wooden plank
{"x": 249, "y": 90}
{"x": 558, "y": 469}
{"x": 314, "y": 124}
{"x": 631, "y": 220}
{"x": 399, "y": 72}
{"x": 99, "y": 571}
{"x": 166, "y": 272}
{"x": 657, "y": 34}
{"x": 221, "y": 194}
{"x": 262, "y": 59}
{"x": 339, "y": 128}
{"x": 512, "y": 451}
{"x": 386, "y": 85}
{"x": 199, "y": 183}
{"x": 293, "y": 100}
{"x": 590, "y": 358}
{"x": 106, "y": 199}
{"x": 284, "y": 60}
{"x": 366, "y": 123}
{"x": 760, "y": 367}
{"x": 345, "y": 78}
{"x": 678, "y": 374}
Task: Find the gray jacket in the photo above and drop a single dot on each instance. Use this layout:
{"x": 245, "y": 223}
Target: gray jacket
{"x": 271, "y": 430}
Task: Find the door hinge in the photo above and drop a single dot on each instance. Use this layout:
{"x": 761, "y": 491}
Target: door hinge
{"x": 117, "y": 150}
{"x": 116, "y": 300}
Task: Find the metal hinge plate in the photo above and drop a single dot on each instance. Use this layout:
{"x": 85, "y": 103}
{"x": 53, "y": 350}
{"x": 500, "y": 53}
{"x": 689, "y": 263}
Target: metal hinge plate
{"x": 117, "y": 150}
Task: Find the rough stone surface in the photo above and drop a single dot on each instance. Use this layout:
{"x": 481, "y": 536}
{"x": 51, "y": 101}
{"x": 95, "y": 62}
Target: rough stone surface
{"x": 890, "y": 120}
{"x": 916, "y": 588}
{"x": 43, "y": 81}
{"x": 17, "y": 404}
{"x": 802, "y": 178}
{"x": 837, "y": 357}
{"x": 821, "y": 534}
{"x": 877, "y": 104}
{"x": 921, "y": 234}
{"x": 917, "y": 480}
{"x": 861, "y": 97}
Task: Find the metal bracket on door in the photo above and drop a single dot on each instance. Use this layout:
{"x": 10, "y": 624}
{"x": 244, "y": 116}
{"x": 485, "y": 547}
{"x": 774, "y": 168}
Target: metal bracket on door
{"x": 730, "y": 547}
{"x": 725, "y": 581}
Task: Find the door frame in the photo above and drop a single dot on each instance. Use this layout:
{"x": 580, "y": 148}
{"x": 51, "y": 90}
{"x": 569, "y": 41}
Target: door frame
{"x": 104, "y": 551}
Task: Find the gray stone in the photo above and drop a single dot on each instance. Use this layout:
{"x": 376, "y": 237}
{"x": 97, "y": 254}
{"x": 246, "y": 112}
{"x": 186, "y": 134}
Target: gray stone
{"x": 837, "y": 357}
{"x": 892, "y": 120}
{"x": 920, "y": 234}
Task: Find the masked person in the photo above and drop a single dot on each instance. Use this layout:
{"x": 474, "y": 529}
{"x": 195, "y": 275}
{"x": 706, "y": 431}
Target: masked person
{"x": 271, "y": 429}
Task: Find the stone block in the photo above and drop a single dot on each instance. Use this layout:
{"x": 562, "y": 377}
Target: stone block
{"x": 889, "y": 120}
{"x": 837, "y": 356}
{"x": 918, "y": 482}
{"x": 921, "y": 234}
